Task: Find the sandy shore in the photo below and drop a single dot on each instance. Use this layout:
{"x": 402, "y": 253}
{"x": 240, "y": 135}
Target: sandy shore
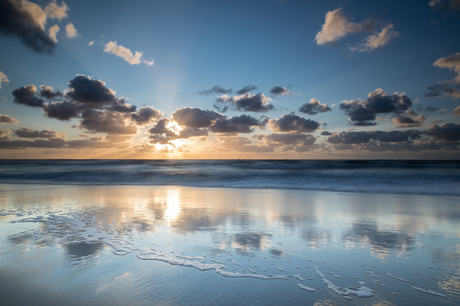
{"x": 182, "y": 245}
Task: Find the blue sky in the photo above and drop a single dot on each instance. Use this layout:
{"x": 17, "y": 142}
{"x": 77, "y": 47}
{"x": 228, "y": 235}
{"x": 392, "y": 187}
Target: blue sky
{"x": 323, "y": 79}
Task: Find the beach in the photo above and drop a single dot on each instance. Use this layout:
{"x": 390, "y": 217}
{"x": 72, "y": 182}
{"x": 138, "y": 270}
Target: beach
{"x": 179, "y": 245}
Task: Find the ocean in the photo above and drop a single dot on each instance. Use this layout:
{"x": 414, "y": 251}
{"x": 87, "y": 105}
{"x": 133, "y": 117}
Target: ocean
{"x": 383, "y": 176}
{"x": 229, "y": 232}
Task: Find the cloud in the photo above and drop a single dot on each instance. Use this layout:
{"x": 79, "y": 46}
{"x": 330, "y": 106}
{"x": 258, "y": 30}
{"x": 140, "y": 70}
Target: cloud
{"x": 289, "y": 139}
{"x": 30, "y": 133}
{"x": 363, "y": 113}
{"x": 456, "y": 111}
{"x": 337, "y": 26}
{"x": 444, "y": 132}
{"x": 241, "y": 144}
{"x": 377, "y": 40}
{"x": 313, "y": 107}
{"x": 3, "y": 79}
{"x": 91, "y": 43}
{"x": 215, "y": 89}
{"x": 62, "y": 110}
{"x": 126, "y": 54}
{"x": 55, "y": 143}
{"x": 96, "y": 121}
{"x": 91, "y": 92}
{"x": 409, "y": 119}
{"x": 70, "y": 31}
{"x": 5, "y": 135}
{"x": 246, "y": 89}
{"x": 26, "y": 96}
{"x": 360, "y": 137}
{"x": 446, "y": 4}
{"x": 195, "y": 117}
{"x": 5, "y": 119}
{"x": 53, "y": 32}
{"x": 49, "y": 93}
{"x": 279, "y": 90}
{"x": 26, "y": 20}
{"x": 145, "y": 115}
{"x": 238, "y": 124}
{"x": 294, "y": 123}
{"x": 245, "y": 102}
{"x": 451, "y": 62}
{"x": 448, "y": 88}
{"x": 161, "y": 132}
{"x": 53, "y": 10}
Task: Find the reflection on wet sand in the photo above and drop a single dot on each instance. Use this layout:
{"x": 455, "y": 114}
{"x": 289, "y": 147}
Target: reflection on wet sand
{"x": 222, "y": 227}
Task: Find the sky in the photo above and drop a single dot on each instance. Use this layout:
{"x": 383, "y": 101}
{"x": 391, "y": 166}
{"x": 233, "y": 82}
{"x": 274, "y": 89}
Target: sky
{"x": 200, "y": 79}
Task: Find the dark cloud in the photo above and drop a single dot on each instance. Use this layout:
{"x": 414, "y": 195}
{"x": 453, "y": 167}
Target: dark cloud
{"x": 365, "y": 136}
{"x": 409, "y": 119}
{"x": 445, "y": 4}
{"x": 121, "y": 106}
{"x": 364, "y": 113}
{"x": 93, "y": 143}
{"x": 279, "y": 90}
{"x": 247, "y": 102}
{"x": 48, "y": 92}
{"x": 145, "y": 115}
{"x": 447, "y": 88}
{"x": 290, "y": 139}
{"x": 444, "y": 132}
{"x": 238, "y": 124}
{"x": 7, "y": 119}
{"x": 29, "y": 133}
{"x": 26, "y": 95}
{"x": 326, "y": 133}
{"x": 62, "y": 110}
{"x": 294, "y": 123}
{"x": 246, "y": 89}
{"x": 217, "y": 90}
{"x": 54, "y": 143}
{"x": 313, "y": 107}
{"x": 195, "y": 117}
{"x": 90, "y": 91}
{"x": 161, "y": 134}
{"x": 17, "y": 18}
{"x": 97, "y": 121}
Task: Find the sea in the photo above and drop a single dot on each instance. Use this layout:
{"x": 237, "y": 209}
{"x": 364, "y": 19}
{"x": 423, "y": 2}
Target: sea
{"x": 229, "y": 232}
{"x": 382, "y": 176}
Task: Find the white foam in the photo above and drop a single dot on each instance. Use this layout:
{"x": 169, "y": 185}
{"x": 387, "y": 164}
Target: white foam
{"x": 279, "y": 268}
{"x": 428, "y": 291}
{"x": 372, "y": 274}
{"x": 400, "y": 279}
{"x": 297, "y": 276}
{"x": 306, "y": 288}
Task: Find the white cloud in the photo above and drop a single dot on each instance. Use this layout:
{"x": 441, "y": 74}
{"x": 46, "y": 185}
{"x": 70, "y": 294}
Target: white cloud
{"x": 3, "y": 79}
{"x": 91, "y": 43}
{"x": 126, "y": 54}
{"x": 377, "y": 40}
{"x": 70, "y": 31}
{"x": 34, "y": 11}
{"x": 337, "y": 26}
{"x": 53, "y": 32}
{"x": 456, "y": 111}
{"x": 53, "y": 10}
{"x": 452, "y": 62}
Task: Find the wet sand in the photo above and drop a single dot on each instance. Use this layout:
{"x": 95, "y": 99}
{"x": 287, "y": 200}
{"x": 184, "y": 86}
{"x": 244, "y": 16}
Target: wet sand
{"x": 181, "y": 245}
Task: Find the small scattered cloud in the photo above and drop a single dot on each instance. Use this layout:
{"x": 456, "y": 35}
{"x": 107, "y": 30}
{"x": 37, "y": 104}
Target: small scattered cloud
{"x": 337, "y": 25}
{"x": 26, "y": 95}
{"x": 5, "y": 119}
{"x": 246, "y": 102}
{"x": 449, "y": 88}
{"x": 237, "y": 124}
{"x": 456, "y": 111}
{"x": 280, "y": 91}
{"x": 3, "y": 79}
{"x": 71, "y": 31}
{"x": 145, "y": 115}
{"x": 450, "y": 62}
{"x": 445, "y": 4}
{"x": 377, "y": 40}
{"x": 126, "y": 54}
{"x": 246, "y": 89}
{"x": 364, "y": 112}
{"x": 294, "y": 123}
{"x": 54, "y": 11}
{"x": 216, "y": 89}
{"x": 314, "y": 107}
{"x": 91, "y": 43}
{"x": 53, "y": 32}
{"x": 409, "y": 119}
{"x": 195, "y": 117}
{"x": 30, "y": 133}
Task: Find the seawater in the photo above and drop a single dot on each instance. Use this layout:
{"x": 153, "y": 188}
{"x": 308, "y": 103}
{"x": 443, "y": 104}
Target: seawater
{"x": 172, "y": 245}
{"x": 383, "y": 176}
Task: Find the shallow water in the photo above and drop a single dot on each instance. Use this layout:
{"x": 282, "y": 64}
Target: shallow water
{"x": 172, "y": 245}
